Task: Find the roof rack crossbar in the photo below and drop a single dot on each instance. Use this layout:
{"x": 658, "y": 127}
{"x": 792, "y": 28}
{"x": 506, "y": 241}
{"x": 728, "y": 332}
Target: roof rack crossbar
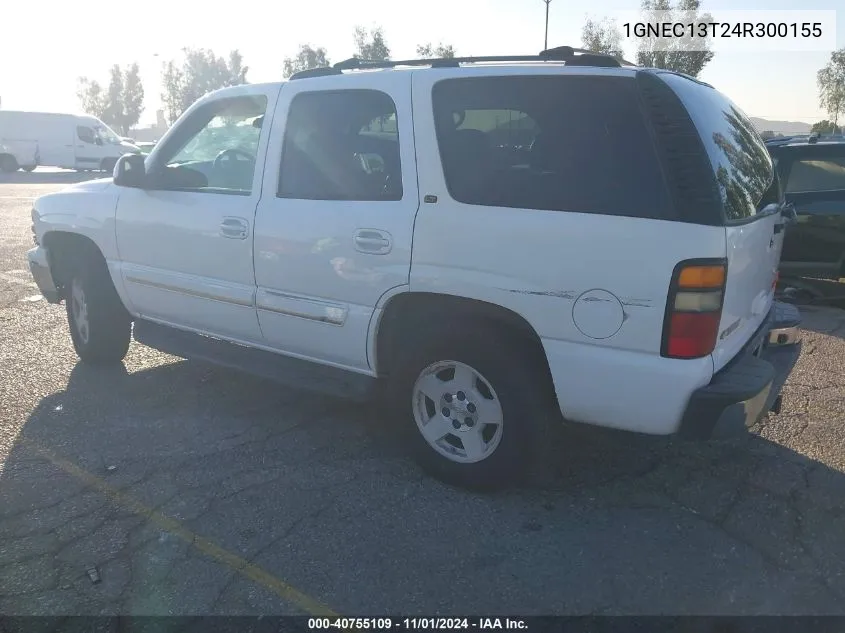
{"x": 561, "y": 53}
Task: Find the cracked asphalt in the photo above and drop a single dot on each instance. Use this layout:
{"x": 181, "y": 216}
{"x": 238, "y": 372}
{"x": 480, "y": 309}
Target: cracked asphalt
{"x": 194, "y": 490}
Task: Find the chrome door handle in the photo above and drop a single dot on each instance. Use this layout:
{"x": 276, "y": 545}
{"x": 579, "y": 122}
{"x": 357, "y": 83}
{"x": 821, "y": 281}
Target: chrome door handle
{"x": 372, "y": 241}
{"x": 235, "y": 228}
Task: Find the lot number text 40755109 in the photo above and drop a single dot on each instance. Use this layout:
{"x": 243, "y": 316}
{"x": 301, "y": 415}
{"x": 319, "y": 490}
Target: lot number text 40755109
{"x": 418, "y": 623}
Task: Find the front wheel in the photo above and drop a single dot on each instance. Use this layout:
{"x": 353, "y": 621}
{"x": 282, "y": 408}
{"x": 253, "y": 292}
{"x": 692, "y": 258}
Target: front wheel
{"x": 29, "y": 168}
{"x": 473, "y": 404}
{"x": 108, "y": 164}
{"x": 100, "y": 327}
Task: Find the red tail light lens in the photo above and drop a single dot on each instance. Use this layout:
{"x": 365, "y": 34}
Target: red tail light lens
{"x": 692, "y": 335}
{"x": 694, "y": 309}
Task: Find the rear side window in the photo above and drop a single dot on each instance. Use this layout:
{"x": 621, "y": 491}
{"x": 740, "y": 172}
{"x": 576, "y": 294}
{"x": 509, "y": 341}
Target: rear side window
{"x": 341, "y": 145}
{"x": 816, "y": 174}
{"x": 741, "y": 163}
{"x": 557, "y": 143}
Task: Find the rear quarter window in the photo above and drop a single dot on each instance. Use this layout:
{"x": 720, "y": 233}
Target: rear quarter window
{"x": 741, "y": 163}
{"x": 549, "y": 142}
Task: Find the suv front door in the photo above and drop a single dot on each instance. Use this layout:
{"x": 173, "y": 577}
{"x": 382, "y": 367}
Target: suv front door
{"x": 185, "y": 241}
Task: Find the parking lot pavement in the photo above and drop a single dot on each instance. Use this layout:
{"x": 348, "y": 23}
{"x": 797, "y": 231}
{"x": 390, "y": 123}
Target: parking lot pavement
{"x": 187, "y": 489}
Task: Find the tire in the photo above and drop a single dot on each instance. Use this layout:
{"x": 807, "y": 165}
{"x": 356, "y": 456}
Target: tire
{"x": 29, "y": 168}
{"x": 429, "y": 380}
{"x": 8, "y": 163}
{"x": 100, "y": 326}
{"x": 108, "y": 164}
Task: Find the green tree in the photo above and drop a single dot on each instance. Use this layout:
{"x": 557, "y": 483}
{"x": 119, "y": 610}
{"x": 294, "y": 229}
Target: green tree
{"x": 677, "y": 55}
{"x": 113, "y": 115}
{"x": 121, "y": 105}
{"x": 200, "y": 72}
{"x": 831, "y": 81}
{"x": 826, "y": 127}
{"x": 441, "y": 51}
{"x": 91, "y": 97}
{"x": 171, "y": 96}
{"x": 602, "y": 37}
{"x": 133, "y": 98}
{"x": 306, "y": 59}
{"x": 370, "y": 44}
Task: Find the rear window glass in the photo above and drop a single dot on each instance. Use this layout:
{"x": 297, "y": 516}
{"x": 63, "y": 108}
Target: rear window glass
{"x": 816, "y": 174}
{"x": 741, "y": 162}
{"x": 560, "y": 143}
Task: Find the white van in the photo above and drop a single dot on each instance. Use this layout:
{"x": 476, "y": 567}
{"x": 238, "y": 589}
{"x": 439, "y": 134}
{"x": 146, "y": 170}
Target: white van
{"x": 16, "y": 155}
{"x": 69, "y": 141}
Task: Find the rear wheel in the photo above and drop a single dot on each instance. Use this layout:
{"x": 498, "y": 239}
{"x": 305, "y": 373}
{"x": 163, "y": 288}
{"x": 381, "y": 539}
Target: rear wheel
{"x": 8, "y": 163}
{"x": 29, "y": 168}
{"x": 99, "y": 325}
{"x": 472, "y": 404}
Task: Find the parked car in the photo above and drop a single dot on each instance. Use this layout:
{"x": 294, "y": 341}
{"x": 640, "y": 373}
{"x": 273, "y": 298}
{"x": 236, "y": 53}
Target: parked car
{"x": 69, "y": 141}
{"x": 16, "y": 155}
{"x": 369, "y": 239}
{"x": 812, "y": 173}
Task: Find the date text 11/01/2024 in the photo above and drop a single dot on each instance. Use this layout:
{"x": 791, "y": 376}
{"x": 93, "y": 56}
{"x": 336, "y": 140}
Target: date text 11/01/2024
{"x": 677, "y": 30}
{"x": 419, "y": 623}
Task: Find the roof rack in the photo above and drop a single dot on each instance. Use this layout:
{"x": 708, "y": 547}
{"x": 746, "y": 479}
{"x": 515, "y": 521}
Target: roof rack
{"x": 561, "y": 53}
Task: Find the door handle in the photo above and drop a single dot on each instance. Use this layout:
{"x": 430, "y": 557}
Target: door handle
{"x": 372, "y": 241}
{"x": 235, "y": 228}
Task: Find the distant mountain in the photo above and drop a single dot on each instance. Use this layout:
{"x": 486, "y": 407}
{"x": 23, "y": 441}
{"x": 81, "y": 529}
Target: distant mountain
{"x": 787, "y": 128}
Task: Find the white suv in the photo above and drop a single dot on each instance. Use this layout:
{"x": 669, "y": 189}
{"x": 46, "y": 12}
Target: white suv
{"x": 499, "y": 242}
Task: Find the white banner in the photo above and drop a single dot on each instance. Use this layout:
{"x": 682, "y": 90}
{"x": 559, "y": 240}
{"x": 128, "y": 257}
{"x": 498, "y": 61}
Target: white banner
{"x": 729, "y": 30}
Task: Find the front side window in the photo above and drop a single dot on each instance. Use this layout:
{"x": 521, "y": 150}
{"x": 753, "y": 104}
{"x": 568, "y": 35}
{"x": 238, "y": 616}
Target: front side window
{"x": 216, "y": 148}
{"x": 556, "y": 143}
{"x": 106, "y": 135}
{"x": 341, "y": 145}
{"x": 85, "y": 134}
{"x": 816, "y": 174}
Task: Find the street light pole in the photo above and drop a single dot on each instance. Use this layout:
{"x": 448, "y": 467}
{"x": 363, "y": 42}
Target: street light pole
{"x": 546, "y": 46}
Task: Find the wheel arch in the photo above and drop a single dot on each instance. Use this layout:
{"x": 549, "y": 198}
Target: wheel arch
{"x": 63, "y": 250}
{"x": 420, "y": 314}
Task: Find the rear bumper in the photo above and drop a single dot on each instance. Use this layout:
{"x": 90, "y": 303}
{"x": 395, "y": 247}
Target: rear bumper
{"x": 750, "y": 385}
{"x": 40, "y": 269}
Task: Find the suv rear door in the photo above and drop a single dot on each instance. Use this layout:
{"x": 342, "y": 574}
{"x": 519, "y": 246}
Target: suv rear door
{"x": 752, "y": 213}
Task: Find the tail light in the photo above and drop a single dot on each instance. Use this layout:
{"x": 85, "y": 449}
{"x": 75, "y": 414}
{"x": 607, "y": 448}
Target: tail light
{"x": 694, "y": 308}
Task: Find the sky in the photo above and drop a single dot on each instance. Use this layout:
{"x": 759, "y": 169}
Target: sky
{"x": 57, "y": 41}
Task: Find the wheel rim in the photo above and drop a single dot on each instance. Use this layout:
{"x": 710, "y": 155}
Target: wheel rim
{"x": 79, "y": 310}
{"x": 457, "y": 412}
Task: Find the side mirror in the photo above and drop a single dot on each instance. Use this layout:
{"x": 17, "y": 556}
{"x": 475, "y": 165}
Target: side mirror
{"x": 129, "y": 171}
